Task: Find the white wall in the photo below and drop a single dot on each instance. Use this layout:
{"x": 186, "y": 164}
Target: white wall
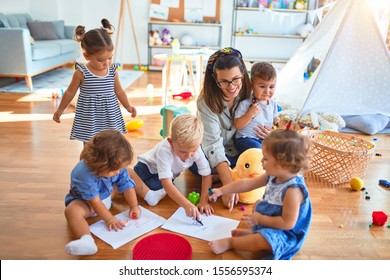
{"x": 90, "y": 12}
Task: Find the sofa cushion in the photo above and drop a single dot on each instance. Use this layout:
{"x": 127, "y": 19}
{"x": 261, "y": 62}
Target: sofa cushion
{"x": 42, "y": 30}
{"x": 65, "y": 45}
{"x": 3, "y": 21}
{"x": 42, "y": 50}
{"x": 59, "y": 26}
{"x": 19, "y": 20}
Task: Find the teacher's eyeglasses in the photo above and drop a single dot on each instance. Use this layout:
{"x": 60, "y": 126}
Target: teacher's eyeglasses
{"x": 235, "y": 82}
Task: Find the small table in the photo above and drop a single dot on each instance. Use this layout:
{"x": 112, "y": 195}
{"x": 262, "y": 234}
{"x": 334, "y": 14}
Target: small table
{"x": 185, "y": 57}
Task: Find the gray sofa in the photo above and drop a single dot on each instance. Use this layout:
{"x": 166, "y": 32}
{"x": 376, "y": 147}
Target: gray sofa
{"x": 29, "y": 47}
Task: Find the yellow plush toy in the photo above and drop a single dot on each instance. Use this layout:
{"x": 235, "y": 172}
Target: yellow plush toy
{"x": 249, "y": 165}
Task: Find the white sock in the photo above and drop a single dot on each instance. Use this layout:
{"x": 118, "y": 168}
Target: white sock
{"x": 83, "y": 246}
{"x": 153, "y": 197}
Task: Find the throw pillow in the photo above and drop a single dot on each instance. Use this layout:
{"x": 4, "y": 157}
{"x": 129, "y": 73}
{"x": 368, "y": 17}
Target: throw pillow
{"x": 369, "y": 124}
{"x": 42, "y": 30}
{"x": 59, "y": 26}
{"x": 3, "y": 21}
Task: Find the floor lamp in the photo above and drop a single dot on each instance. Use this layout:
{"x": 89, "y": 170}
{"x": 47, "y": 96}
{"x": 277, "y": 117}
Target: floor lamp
{"x": 121, "y": 28}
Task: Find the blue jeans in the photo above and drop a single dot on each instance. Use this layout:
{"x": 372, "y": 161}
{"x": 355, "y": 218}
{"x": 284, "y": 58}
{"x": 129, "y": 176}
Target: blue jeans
{"x": 151, "y": 180}
{"x": 245, "y": 143}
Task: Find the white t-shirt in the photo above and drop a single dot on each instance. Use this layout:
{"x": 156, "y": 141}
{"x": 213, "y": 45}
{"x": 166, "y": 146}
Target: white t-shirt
{"x": 162, "y": 161}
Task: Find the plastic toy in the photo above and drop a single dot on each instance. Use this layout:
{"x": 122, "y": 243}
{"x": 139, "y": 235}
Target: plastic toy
{"x": 356, "y": 183}
{"x": 183, "y": 95}
{"x": 249, "y": 165}
{"x": 169, "y": 112}
{"x": 194, "y": 197}
{"x": 134, "y": 124}
{"x": 379, "y": 218}
{"x": 384, "y": 183}
{"x": 242, "y": 207}
{"x": 211, "y": 193}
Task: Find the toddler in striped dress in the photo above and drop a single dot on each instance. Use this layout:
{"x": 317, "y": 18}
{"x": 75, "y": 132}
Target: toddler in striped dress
{"x": 100, "y": 89}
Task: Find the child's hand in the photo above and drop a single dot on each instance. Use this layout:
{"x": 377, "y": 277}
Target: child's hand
{"x": 133, "y": 111}
{"x": 57, "y": 115}
{"x": 205, "y": 208}
{"x": 192, "y": 211}
{"x": 215, "y": 194}
{"x": 251, "y": 219}
{"x": 254, "y": 110}
{"x": 115, "y": 224}
{"x": 134, "y": 212}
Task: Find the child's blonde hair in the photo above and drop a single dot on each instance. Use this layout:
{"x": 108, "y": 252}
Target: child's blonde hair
{"x": 95, "y": 40}
{"x": 107, "y": 151}
{"x": 289, "y": 148}
{"x": 187, "y": 130}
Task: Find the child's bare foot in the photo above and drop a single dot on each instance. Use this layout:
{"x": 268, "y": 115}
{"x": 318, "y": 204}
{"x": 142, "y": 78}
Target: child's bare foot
{"x": 219, "y": 246}
{"x": 240, "y": 232}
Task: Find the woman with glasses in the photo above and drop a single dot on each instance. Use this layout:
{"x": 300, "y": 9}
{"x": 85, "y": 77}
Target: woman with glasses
{"x": 226, "y": 84}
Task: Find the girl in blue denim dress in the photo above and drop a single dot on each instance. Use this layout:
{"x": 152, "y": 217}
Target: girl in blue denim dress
{"x": 281, "y": 220}
{"x": 102, "y": 166}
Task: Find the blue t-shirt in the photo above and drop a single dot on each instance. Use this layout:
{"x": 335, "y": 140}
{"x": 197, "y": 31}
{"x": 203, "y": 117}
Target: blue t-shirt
{"x": 84, "y": 185}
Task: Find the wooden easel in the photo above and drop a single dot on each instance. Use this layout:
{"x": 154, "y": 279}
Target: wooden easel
{"x": 121, "y": 28}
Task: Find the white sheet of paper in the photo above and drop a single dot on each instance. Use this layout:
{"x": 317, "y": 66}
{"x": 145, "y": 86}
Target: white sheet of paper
{"x": 214, "y": 227}
{"x": 134, "y": 228}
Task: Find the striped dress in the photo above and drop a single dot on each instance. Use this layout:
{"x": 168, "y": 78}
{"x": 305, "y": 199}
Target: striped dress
{"x": 97, "y": 106}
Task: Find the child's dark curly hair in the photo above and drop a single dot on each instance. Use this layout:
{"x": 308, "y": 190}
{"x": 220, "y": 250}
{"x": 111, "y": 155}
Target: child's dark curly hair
{"x": 107, "y": 151}
{"x": 95, "y": 40}
{"x": 289, "y": 148}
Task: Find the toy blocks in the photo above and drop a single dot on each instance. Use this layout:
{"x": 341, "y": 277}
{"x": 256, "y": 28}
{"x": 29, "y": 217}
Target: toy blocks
{"x": 169, "y": 112}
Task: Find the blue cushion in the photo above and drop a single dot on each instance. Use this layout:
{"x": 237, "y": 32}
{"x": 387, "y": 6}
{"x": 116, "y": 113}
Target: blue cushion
{"x": 19, "y": 20}
{"x": 369, "y": 124}
{"x": 3, "y": 21}
{"x": 59, "y": 26}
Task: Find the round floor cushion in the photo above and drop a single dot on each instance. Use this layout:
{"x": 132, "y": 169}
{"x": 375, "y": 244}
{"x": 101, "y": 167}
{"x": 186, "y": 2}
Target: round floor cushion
{"x": 162, "y": 246}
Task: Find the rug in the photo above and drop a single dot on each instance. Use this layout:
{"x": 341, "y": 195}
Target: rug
{"x": 58, "y": 80}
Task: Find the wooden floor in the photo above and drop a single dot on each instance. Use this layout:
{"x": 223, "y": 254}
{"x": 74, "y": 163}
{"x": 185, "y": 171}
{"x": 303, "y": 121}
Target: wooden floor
{"x": 36, "y": 157}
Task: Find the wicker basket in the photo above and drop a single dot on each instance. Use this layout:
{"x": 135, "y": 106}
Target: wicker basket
{"x": 337, "y": 157}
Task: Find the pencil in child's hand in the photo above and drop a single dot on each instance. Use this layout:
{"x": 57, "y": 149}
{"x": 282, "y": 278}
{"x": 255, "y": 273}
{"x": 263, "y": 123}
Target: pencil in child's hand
{"x": 199, "y": 221}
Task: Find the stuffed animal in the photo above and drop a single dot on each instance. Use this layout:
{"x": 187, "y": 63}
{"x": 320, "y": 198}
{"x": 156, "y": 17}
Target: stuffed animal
{"x": 166, "y": 37}
{"x": 249, "y": 165}
{"x": 154, "y": 38}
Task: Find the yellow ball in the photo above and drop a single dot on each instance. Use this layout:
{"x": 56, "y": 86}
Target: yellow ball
{"x": 356, "y": 183}
{"x": 134, "y": 124}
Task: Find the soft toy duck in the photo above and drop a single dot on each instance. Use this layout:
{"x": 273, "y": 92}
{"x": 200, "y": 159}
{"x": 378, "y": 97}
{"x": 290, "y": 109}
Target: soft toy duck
{"x": 249, "y": 165}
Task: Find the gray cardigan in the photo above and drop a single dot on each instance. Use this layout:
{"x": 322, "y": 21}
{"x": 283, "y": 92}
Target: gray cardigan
{"x": 218, "y": 134}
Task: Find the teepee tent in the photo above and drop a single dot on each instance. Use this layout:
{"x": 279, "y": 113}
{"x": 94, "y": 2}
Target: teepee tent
{"x": 353, "y": 76}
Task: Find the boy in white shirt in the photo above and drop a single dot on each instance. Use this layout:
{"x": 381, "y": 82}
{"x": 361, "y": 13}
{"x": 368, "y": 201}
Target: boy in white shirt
{"x": 156, "y": 169}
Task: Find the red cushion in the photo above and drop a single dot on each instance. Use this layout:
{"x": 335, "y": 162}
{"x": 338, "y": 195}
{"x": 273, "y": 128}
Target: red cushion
{"x": 162, "y": 246}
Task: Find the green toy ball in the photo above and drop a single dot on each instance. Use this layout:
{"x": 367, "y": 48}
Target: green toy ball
{"x": 136, "y": 67}
{"x": 356, "y": 183}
